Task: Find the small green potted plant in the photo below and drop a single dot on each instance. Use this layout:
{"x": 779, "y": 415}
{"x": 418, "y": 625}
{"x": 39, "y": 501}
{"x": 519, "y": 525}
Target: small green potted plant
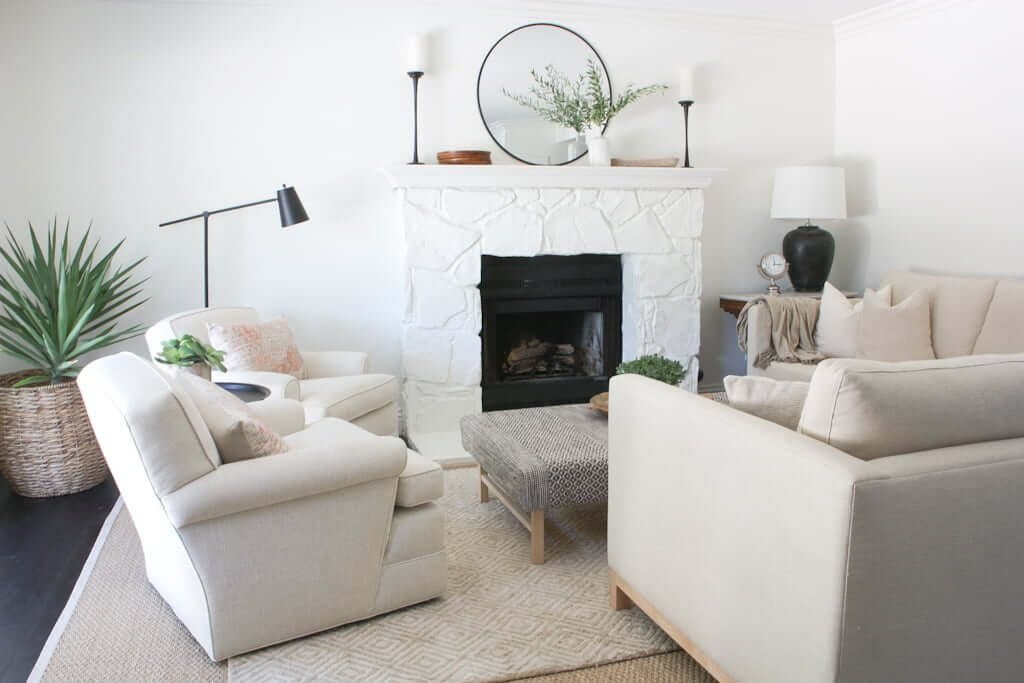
{"x": 583, "y": 105}
{"x": 656, "y": 367}
{"x": 191, "y": 355}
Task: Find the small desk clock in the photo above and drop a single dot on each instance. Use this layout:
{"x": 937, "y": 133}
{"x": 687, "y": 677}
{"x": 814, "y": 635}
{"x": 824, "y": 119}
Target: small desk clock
{"x": 773, "y": 267}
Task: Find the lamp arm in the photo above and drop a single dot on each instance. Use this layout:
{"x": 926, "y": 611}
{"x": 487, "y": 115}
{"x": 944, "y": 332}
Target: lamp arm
{"x": 215, "y": 212}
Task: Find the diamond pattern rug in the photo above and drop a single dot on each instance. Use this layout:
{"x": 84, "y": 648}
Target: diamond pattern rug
{"x": 502, "y": 618}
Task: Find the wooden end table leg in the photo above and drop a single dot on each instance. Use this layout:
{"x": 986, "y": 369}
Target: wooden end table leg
{"x": 485, "y": 494}
{"x": 537, "y": 537}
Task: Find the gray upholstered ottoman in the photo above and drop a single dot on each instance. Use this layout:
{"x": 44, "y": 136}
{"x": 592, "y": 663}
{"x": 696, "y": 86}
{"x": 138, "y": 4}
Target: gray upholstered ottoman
{"x": 537, "y": 459}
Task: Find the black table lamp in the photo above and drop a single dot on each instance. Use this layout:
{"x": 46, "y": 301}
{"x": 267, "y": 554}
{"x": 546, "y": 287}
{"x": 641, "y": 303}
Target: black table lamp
{"x": 288, "y": 203}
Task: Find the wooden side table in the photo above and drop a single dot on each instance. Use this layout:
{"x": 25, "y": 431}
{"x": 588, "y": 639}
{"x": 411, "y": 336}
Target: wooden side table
{"x": 734, "y": 303}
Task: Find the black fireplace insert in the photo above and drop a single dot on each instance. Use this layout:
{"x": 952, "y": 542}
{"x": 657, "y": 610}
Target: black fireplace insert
{"x": 552, "y": 328}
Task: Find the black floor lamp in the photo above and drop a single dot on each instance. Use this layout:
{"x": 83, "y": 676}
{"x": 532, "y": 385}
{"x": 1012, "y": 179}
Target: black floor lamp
{"x": 288, "y": 203}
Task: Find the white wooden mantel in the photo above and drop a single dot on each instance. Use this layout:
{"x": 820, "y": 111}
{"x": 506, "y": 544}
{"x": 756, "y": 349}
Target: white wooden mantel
{"x": 452, "y": 215}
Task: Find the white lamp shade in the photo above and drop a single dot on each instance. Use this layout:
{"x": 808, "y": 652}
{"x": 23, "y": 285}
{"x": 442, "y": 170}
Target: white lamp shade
{"x": 809, "y": 192}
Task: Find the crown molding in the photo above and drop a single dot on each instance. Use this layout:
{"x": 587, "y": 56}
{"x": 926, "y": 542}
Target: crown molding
{"x": 624, "y": 12}
{"x": 889, "y": 13}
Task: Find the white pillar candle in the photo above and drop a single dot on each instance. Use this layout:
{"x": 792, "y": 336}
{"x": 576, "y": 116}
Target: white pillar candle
{"x": 686, "y": 84}
{"x": 419, "y": 53}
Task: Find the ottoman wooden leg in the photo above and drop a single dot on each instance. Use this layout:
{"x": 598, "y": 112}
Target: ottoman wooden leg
{"x": 484, "y": 493}
{"x": 537, "y": 537}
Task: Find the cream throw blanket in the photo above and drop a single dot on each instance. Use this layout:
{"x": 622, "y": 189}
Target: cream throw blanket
{"x": 789, "y": 327}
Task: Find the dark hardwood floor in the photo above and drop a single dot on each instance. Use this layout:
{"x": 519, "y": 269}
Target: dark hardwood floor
{"x": 43, "y": 545}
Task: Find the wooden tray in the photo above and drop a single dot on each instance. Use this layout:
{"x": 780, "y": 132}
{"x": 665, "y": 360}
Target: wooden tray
{"x": 600, "y": 402}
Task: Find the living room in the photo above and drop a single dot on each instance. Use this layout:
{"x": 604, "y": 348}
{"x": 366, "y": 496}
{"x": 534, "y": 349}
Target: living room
{"x": 462, "y": 321}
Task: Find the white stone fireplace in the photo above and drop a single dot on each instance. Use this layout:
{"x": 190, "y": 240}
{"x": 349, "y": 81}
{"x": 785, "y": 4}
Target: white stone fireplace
{"x": 652, "y": 217}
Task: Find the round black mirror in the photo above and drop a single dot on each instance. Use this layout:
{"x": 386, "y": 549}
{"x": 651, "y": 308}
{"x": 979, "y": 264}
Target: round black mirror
{"x": 508, "y": 79}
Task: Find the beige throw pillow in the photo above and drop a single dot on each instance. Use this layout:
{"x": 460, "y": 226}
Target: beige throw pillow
{"x": 238, "y": 434}
{"x": 897, "y": 332}
{"x": 264, "y": 347}
{"x": 839, "y": 321}
{"x": 776, "y": 401}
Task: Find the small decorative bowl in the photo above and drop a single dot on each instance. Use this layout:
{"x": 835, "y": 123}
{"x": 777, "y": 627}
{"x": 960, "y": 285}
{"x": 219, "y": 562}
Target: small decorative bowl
{"x": 465, "y": 156}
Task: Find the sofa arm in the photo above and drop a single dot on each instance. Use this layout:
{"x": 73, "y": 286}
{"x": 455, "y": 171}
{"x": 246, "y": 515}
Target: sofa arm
{"x": 759, "y": 336}
{"x": 280, "y": 385}
{"x": 335, "y": 363}
{"x": 261, "y": 482}
{"x": 283, "y": 415}
{"x": 732, "y": 527}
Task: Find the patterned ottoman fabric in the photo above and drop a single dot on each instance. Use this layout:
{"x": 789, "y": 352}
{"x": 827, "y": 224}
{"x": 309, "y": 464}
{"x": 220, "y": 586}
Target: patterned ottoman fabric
{"x": 542, "y": 457}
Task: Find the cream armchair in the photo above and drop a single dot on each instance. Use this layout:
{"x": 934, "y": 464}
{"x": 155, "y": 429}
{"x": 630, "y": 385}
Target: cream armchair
{"x": 338, "y": 528}
{"x": 335, "y": 383}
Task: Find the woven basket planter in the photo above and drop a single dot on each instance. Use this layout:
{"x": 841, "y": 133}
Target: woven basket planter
{"x": 47, "y": 446}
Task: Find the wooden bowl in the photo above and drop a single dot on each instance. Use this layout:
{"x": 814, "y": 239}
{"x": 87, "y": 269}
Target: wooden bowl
{"x": 465, "y": 156}
{"x": 600, "y": 403}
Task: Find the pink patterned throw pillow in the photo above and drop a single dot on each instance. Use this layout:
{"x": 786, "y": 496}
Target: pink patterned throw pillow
{"x": 264, "y": 347}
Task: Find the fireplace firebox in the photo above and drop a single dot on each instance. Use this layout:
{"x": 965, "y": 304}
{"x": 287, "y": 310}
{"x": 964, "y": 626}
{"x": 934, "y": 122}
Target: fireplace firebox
{"x": 551, "y": 328}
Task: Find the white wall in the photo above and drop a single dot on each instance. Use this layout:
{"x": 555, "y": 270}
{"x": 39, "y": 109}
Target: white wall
{"x": 929, "y": 111}
{"x": 133, "y": 113}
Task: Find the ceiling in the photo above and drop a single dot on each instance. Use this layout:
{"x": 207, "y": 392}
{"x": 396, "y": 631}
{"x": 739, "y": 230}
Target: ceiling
{"x": 809, "y": 11}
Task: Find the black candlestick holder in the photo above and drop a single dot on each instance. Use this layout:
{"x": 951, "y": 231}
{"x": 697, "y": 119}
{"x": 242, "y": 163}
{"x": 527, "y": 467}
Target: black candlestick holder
{"x": 686, "y": 104}
{"x": 415, "y": 76}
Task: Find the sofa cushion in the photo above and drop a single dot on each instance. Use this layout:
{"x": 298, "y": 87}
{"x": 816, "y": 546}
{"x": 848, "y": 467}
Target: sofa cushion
{"x": 839, "y": 320}
{"x": 958, "y": 306}
{"x": 1003, "y": 330}
{"x": 347, "y": 398}
{"x": 420, "y": 482}
{"x": 768, "y": 399}
{"x": 872, "y": 409}
{"x": 898, "y": 332}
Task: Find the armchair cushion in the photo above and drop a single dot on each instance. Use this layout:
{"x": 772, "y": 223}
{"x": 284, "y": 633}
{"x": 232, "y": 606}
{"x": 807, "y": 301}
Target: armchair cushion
{"x": 335, "y": 363}
{"x": 348, "y": 398}
{"x": 420, "y": 482}
{"x": 267, "y": 347}
{"x": 236, "y": 430}
{"x": 284, "y": 415}
{"x": 769, "y": 399}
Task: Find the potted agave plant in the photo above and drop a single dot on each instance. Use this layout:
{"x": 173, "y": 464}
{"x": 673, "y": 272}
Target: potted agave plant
{"x": 583, "y": 105}
{"x": 191, "y": 355}
{"x": 60, "y": 300}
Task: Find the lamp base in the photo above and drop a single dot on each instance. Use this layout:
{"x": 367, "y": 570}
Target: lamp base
{"x": 810, "y": 252}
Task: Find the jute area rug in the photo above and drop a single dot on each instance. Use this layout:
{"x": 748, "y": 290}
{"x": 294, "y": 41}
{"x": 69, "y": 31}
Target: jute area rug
{"x": 502, "y": 618}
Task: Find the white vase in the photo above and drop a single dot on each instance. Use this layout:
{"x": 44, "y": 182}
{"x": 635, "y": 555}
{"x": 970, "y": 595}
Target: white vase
{"x": 597, "y": 148}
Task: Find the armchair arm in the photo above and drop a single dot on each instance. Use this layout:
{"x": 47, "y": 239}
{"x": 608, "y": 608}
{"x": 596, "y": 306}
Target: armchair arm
{"x": 280, "y": 385}
{"x": 283, "y": 415}
{"x": 261, "y": 482}
{"x": 335, "y": 363}
{"x": 731, "y": 526}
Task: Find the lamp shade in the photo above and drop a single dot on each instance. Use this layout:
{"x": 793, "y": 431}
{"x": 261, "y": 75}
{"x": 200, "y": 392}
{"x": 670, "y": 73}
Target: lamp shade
{"x": 809, "y": 192}
{"x": 291, "y": 208}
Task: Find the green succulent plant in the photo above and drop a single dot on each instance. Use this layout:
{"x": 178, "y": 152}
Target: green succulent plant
{"x": 577, "y": 104}
{"x": 62, "y": 300}
{"x": 186, "y": 350}
{"x": 656, "y": 367}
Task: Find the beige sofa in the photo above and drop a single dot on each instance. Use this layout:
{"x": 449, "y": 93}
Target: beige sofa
{"x": 340, "y": 527}
{"x": 969, "y": 316}
{"x": 773, "y": 555}
{"x": 335, "y": 383}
